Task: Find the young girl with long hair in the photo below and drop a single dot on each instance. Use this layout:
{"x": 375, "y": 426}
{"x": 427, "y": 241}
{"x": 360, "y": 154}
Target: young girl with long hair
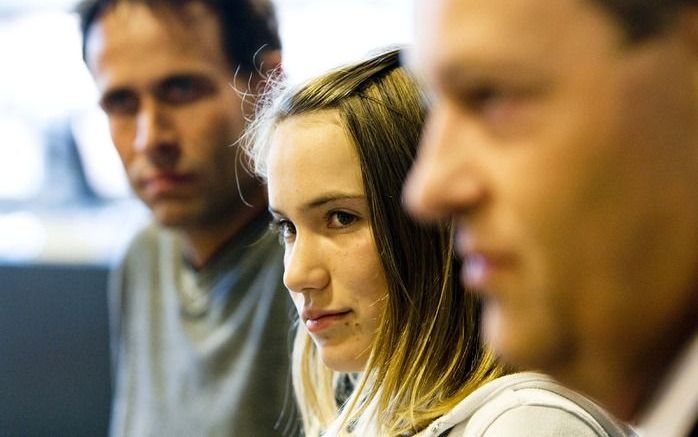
{"x": 378, "y": 294}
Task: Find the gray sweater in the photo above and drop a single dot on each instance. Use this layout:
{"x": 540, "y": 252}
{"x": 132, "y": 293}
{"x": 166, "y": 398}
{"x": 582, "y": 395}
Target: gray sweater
{"x": 201, "y": 353}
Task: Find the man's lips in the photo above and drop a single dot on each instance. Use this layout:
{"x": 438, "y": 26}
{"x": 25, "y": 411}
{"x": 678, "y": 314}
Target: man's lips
{"x": 317, "y": 321}
{"x": 164, "y": 183}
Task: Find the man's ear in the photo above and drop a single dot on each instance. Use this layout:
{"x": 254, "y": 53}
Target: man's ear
{"x": 268, "y": 69}
{"x": 271, "y": 60}
{"x": 689, "y": 27}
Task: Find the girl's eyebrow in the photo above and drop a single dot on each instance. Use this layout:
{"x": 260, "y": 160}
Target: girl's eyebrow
{"x": 332, "y": 197}
{"x": 324, "y": 200}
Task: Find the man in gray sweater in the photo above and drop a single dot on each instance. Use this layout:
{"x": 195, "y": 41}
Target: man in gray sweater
{"x": 200, "y": 318}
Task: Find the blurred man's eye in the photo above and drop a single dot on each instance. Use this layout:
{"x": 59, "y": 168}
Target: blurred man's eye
{"x": 502, "y": 109}
{"x": 120, "y": 102}
{"x": 483, "y": 99}
{"x": 182, "y": 90}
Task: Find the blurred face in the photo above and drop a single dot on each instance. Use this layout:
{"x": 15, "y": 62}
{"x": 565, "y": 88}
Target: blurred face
{"x": 332, "y": 268}
{"x": 569, "y": 160}
{"x": 167, "y": 89}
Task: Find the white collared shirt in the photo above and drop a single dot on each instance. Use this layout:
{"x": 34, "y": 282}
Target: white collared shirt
{"x": 675, "y": 407}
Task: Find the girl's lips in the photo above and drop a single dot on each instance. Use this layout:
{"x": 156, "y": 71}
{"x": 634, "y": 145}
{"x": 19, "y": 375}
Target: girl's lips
{"x": 319, "y": 322}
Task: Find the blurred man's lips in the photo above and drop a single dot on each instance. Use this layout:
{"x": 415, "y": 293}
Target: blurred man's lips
{"x": 476, "y": 271}
{"x": 479, "y": 264}
{"x": 481, "y": 268}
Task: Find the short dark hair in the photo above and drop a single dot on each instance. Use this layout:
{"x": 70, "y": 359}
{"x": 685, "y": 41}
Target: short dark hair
{"x": 641, "y": 19}
{"x": 248, "y": 27}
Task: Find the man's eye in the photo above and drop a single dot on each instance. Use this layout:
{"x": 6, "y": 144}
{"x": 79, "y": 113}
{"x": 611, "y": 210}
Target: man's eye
{"x": 120, "y": 103}
{"x": 340, "y": 219}
{"x": 178, "y": 91}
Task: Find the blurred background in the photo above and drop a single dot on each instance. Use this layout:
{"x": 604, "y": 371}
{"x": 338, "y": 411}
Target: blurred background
{"x": 66, "y": 212}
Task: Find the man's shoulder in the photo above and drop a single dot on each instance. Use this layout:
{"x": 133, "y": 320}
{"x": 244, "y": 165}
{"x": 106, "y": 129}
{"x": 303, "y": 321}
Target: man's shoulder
{"x": 146, "y": 247}
{"x": 266, "y": 245}
{"x": 146, "y": 236}
{"x": 257, "y": 248}
{"x": 150, "y": 237}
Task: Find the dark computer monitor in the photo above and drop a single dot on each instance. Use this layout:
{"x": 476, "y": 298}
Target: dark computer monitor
{"x": 54, "y": 351}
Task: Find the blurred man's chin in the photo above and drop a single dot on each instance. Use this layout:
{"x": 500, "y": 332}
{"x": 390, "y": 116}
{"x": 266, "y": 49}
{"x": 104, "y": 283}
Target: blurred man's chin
{"x": 516, "y": 342}
{"x": 493, "y": 330}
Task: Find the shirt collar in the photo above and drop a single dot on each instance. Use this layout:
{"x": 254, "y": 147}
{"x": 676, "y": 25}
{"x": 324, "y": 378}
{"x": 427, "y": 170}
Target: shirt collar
{"x": 674, "y": 408}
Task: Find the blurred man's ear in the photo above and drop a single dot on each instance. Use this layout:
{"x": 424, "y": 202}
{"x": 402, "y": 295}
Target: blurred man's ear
{"x": 689, "y": 30}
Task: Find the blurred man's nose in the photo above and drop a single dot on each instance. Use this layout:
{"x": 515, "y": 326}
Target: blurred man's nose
{"x": 441, "y": 183}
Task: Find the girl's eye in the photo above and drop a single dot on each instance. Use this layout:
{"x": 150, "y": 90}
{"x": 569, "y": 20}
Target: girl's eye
{"x": 285, "y": 229}
{"x": 340, "y": 219}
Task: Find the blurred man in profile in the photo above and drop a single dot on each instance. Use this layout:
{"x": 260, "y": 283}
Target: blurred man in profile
{"x": 199, "y": 319}
{"x": 564, "y": 142}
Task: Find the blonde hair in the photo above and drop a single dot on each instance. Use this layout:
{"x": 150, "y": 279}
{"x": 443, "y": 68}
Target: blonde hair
{"x": 426, "y": 355}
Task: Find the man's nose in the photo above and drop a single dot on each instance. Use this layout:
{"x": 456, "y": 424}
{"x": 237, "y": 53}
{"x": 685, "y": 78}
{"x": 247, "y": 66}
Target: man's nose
{"x": 443, "y": 181}
{"x": 155, "y": 132}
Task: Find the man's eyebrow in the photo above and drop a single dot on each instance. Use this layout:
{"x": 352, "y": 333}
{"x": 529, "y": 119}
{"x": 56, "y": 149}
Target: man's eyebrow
{"x": 115, "y": 92}
{"x": 183, "y": 76}
{"x": 174, "y": 78}
{"x": 324, "y": 200}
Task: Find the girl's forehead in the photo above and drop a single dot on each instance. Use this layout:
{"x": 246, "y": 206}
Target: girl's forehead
{"x": 310, "y": 158}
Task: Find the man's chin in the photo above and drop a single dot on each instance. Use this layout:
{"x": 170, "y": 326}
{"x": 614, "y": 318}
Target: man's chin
{"x": 170, "y": 217}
